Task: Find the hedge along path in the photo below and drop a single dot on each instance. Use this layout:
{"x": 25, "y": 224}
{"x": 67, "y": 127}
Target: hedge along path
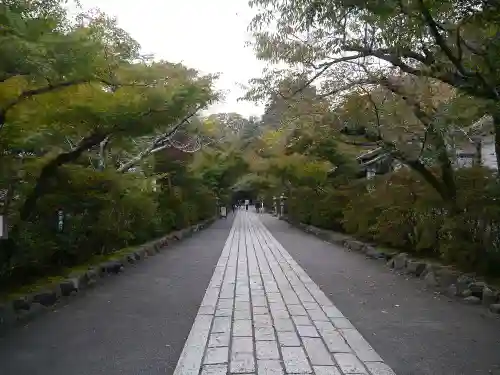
{"x": 263, "y": 314}
{"x": 22, "y": 308}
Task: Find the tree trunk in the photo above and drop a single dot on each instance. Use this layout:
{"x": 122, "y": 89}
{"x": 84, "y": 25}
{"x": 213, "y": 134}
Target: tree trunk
{"x": 50, "y": 169}
{"x": 496, "y": 125}
{"x": 447, "y": 172}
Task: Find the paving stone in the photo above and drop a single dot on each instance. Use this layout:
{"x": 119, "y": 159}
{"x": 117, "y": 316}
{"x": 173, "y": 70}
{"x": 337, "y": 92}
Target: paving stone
{"x": 341, "y": 323}
{"x": 301, "y": 320}
{"x": 306, "y": 297}
{"x": 224, "y": 312}
{"x": 219, "y": 339}
{"x": 257, "y": 290}
{"x": 269, "y": 367}
{"x": 297, "y": 310}
{"x": 242, "y": 328}
{"x": 291, "y": 299}
{"x": 206, "y": 310}
{"x": 379, "y": 368}
{"x": 317, "y": 315}
{"x": 335, "y": 342}
{"x": 262, "y": 321}
{"x": 241, "y": 305}
{"x": 360, "y": 346}
{"x": 318, "y": 294}
{"x": 267, "y": 350}
{"x": 283, "y": 325}
{"x": 221, "y": 324}
{"x": 242, "y": 315}
{"x": 216, "y": 355}
{"x": 295, "y": 361}
{"x": 277, "y": 306}
{"x": 326, "y": 370}
{"x": 242, "y": 363}
{"x": 288, "y": 339}
{"x": 307, "y": 331}
{"x": 311, "y": 306}
{"x": 264, "y": 333}
{"x": 275, "y": 297}
{"x": 210, "y": 298}
{"x": 225, "y": 304}
{"x": 260, "y": 310}
{"x": 332, "y": 312}
{"x": 226, "y": 294}
{"x": 350, "y": 364}
{"x": 259, "y": 301}
{"x": 242, "y": 299}
{"x": 280, "y": 314}
{"x": 317, "y": 351}
{"x": 324, "y": 326}
{"x": 214, "y": 370}
{"x": 242, "y": 345}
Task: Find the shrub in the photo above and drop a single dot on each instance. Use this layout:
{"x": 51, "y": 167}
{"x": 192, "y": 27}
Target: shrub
{"x": 104, "y": 211}
{"x": 402, "y": 211}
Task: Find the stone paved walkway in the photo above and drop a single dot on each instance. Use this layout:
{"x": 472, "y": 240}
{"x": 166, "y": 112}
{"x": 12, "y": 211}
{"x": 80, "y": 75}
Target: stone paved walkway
{"x": 262, "y": 314}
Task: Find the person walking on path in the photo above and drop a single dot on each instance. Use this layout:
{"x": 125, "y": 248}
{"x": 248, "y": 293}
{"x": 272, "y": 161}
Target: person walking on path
{"x": 257, "y": 206}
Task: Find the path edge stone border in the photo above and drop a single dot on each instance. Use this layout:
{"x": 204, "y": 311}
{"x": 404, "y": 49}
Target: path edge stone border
{"x": 468, "y": 288}
{"x": 23, "y": 309}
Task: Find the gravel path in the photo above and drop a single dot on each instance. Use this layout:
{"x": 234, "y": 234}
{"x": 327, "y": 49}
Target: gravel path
{"x": 414, "y": 330}
{"x": 273, "y": 301}
{"x": 134, "y": 323}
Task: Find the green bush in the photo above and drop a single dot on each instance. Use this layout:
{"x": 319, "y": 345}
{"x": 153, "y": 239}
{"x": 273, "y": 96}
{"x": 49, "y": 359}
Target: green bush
{"x": 104, "y": 211}
{"x": 402, "y": 211}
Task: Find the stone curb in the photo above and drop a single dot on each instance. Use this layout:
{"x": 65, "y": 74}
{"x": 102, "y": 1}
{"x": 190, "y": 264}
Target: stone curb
{"x": 444, "y": 279}
{"x": 25, "y": 308}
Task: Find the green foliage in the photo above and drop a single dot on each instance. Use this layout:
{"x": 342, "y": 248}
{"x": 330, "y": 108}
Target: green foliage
{"x": 90, "y": 127}
{"x": 407, "y": 78}
{"x": 400, "y": 210}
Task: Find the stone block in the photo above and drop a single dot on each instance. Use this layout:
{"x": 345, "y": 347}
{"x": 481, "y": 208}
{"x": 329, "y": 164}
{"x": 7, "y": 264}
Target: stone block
{"x": 452, "y": 290}
{"x": 45, "y": 298}
{"x": 22, "y": 303}
{"x": 372, "y": 252}
{"x": 92, "y": 276}
{"x": 463, "y": 283}
{"x": 112, "y": 266}
{"x": 7, "y": 315}
{"x": 69, "y": 286}
{"x": 477, "y": 288}
{"x": 489, "y": 297}
{"x": 431, "y": 280}
{"x": 447, "y": 276}
{"x": 131, "y": 258}
{"x": 415, "y": 267}
{"x": 472, "y": 300}
{"x": 400, "y": 261}
{"x": 354, "y": 245}
{"x": 495, "y": 308}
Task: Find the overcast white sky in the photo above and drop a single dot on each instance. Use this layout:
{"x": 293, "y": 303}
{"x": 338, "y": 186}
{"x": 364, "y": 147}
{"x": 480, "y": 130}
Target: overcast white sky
{"x": 208, "y": 35}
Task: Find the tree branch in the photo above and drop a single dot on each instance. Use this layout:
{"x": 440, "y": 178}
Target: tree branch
{"x": 428, "y": 176}
{"x": 345, "y": 87}
{"x": 102, "y": 152}
{"x": 159, "y": 142}
{"x": 323, "y": 68}
{"x": 32, "y": 92}
{"x": 447, "y": 173}
{"x": 50, "y": 169}
{"x": 26, "y": 94}
{"x": 433, "y": 26}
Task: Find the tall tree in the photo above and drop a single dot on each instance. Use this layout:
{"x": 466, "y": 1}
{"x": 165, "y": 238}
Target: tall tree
{"x": 454, "y": 41}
